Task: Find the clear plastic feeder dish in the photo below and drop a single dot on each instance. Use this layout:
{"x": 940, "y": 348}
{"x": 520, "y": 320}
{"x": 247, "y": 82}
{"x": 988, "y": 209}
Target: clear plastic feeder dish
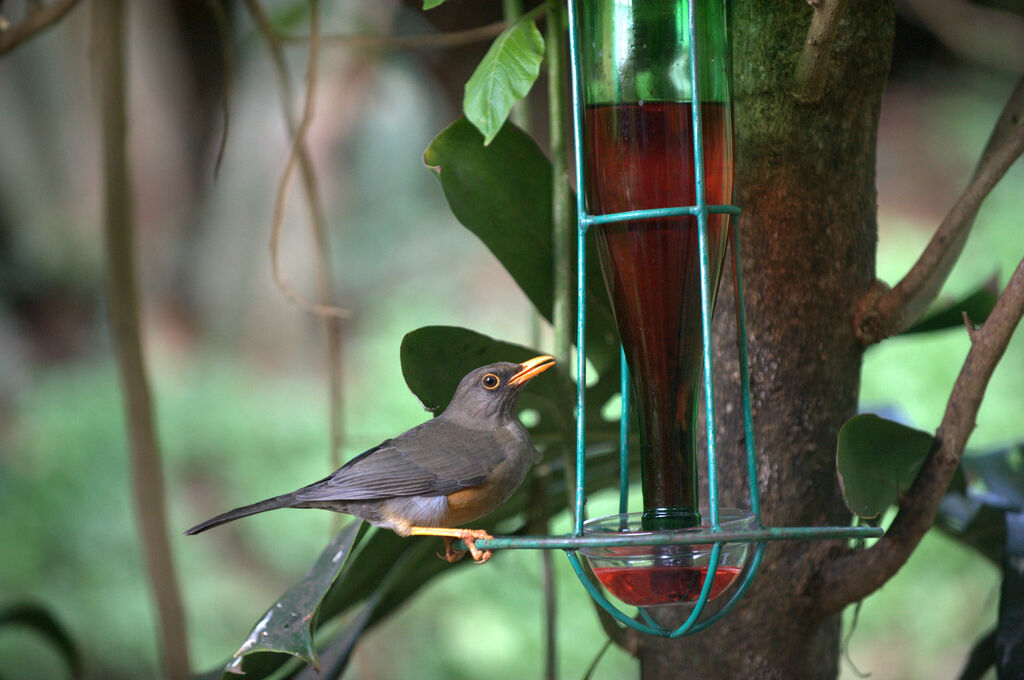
{"x": 661, "y": 575}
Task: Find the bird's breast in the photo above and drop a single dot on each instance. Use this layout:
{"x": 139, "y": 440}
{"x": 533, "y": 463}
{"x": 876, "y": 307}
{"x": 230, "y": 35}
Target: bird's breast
{"x": 467, "y": 505}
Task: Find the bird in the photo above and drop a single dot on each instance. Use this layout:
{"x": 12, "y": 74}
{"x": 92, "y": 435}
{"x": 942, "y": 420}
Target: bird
{"x": 441, "y": 474}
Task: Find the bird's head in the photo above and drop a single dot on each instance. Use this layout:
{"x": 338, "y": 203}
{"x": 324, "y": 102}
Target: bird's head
{"x": 490, "y": 392}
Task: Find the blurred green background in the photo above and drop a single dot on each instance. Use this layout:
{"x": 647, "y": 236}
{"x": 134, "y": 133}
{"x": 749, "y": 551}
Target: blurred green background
{"x": 238, "y": 372}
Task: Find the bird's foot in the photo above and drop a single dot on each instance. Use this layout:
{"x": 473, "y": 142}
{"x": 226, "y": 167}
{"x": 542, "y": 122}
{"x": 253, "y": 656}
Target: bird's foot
{"x": 467, "y": 536}
{"x": 470, "y": 537}
{"x": 451, "y": 554}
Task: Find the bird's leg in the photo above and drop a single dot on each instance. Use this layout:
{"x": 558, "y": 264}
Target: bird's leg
{"x": 467, "y": 536}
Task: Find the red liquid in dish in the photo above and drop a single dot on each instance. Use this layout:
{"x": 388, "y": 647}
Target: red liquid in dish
{"x": 640, "y": 156}
{"x": 648, "y": 586}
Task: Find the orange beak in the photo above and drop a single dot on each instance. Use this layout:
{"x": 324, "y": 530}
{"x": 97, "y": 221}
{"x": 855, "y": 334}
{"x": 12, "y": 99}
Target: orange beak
{"x": 532, "y": 368}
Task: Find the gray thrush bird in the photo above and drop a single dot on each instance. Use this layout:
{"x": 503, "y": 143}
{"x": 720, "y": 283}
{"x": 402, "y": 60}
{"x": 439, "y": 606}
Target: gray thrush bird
{"x": 443, "y": 473}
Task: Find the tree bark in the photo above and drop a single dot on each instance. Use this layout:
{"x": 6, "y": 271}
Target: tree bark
{"x": 805, "y": 179}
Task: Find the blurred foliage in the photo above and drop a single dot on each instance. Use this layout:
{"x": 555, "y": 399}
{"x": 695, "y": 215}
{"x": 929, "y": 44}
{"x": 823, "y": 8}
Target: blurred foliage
{"x": 38, "y": 618}
{"x": 237, "y": 373}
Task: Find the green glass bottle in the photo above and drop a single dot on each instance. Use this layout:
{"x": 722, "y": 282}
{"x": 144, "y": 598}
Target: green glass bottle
{"x": 639, "y": 154}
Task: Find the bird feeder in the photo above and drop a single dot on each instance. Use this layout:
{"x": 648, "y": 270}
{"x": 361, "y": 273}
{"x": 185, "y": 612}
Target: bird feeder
{"x": 652, "y": 113}
{"x": 652, "y": 110}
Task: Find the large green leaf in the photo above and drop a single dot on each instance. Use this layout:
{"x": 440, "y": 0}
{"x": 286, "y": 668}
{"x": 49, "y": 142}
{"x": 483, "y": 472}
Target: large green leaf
{"x": 949, "y": 314}
{"x": 39, "y": 619}
{"x": 997, "y": 477}
{"x": 435, "y": 358}
{"x": 974, "y": 524}
{"x": 878, "y": 459}
{"x": 973, "y": 513}
{"x": 288, "y": 625}
{"x": 504, "y": 76}
{"x": 502, "y": 193}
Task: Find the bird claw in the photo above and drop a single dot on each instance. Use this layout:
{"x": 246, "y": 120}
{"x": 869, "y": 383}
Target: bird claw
{"x": 451, "y": 554}
{"x": 469, "y": 537}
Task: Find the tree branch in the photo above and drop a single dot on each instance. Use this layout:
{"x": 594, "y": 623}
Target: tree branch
{"x": 108, "y": 39}
{"x": 885, "y": 312}
{"x": 220, "y": 22}
{"x": 37, "y": 19}
{"x": 812, "y": 68}
{"x": 857, "y": 575}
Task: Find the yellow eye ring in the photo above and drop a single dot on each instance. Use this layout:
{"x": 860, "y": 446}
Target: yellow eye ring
{"x": 490, "y": 381}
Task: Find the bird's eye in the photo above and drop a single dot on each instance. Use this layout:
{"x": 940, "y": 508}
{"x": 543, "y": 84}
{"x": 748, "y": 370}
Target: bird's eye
{"x": 490, "y": 381}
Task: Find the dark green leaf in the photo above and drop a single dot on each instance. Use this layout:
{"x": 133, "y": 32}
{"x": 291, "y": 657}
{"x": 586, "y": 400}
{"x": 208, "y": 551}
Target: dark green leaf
{"x": 336, "y": 657}
{"x": 1010, "y": 629}
{"x": 288, "y": 625}
{"x": 972, "y": 511}
{"x": 503, "y": 77}
{"x": 435, "y": 358}
{"x": 878, "y": 459}
{"x": 981, "y": 658}
{"x": 39, "y": 619}
{"x": 997, "y": 477}
{"x": 502, "y": 193}
{"x": 976, "y": 305}
{"x": 974, "y": 524}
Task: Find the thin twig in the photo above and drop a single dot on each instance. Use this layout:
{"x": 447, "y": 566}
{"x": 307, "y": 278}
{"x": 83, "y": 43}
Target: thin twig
{"x": 857, "y": 575}
{"x": 394, "y": 42}
{"x": 885, "y": 312}
{"x": 108, "y": 45}
{"x": 331, "y": 315}
{"x": 37, "y": 19}
{"x": 220, "y": 20}
{"x": 812, "y": 69}
{"x": 298, "y": 155}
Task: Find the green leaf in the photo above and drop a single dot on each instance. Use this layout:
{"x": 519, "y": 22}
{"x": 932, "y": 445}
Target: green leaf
{"x": 288, "y": 625}
{"x": 504, "y": 76}
{"x": 435, "y": 358}
{"x": 431, "y": 4}
{"x": 336, "y": 657}
{"x": 977, "y": 306}
{"x": 972, "y": 512}
{"x": 39, "y": 619}
{"x": 878, "y": 460}
{"x": 502, "y": 193}
{"x": 974, "y": 524}
{"x": 997, "y": 476}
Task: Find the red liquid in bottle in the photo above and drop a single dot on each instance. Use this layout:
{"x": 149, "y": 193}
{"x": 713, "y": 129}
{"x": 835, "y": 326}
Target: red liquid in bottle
{"x": 648, "y": 586}
{"x": 640, "y": 156}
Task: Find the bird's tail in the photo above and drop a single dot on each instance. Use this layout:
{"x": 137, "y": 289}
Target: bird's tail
{"x": 274, "y": 503}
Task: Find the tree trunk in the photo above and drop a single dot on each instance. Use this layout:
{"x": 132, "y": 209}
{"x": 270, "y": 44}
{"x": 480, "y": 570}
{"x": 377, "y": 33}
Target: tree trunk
{"x": 805, "y": 179}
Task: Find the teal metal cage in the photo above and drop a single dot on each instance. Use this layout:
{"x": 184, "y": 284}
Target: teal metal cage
{"x": 714, "y": 535}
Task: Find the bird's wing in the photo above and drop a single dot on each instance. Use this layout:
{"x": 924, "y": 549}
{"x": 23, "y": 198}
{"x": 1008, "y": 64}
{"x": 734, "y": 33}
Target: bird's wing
{"x": 426, "y": 461}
